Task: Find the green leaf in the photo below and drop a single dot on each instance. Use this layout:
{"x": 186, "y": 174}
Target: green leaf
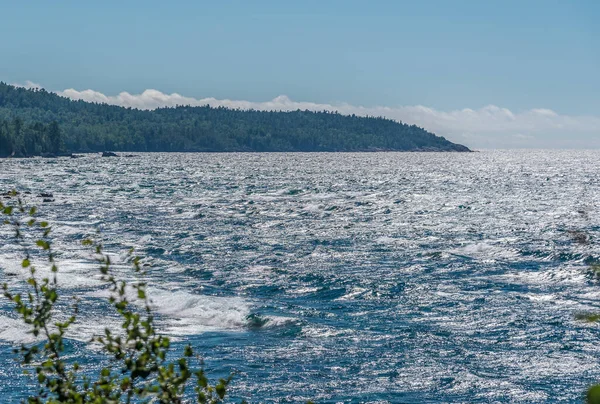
{"x": 52, "y": 296}
{"x": 593, "y": 395}
{"x": 588, "y": 317}
{"x": 44, "y": 244}
{"x": 25, "y": 263}
{"x": 220, "y": 388}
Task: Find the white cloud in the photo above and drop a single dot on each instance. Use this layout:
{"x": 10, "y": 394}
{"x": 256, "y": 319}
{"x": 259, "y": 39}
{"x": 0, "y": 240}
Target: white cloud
{"x": 28, "y": 84}
{"x": 487, "y": 127}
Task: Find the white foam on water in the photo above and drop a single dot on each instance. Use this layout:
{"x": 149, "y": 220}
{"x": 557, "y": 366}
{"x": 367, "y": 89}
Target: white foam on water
{"x": 72, "y": 274}
{"x": 388, "y": 240}
{"x": 279, "y": 321}
{"x": 563, "y": 275}
{"x": 259, "y": 269}
{"x": 541, "y": 297}
{"x": 353, "y": 293}
{"x": 192, "y": 313}
{"x": 485, "y": 251}
{"x": 316, "y": 331}
{"x": 66, "y": 230}
{"x": 145, "y": 239}
{"x": 15, "y": 331}
{"x": 303, "y": 290}
{"x": 187, "y": 313}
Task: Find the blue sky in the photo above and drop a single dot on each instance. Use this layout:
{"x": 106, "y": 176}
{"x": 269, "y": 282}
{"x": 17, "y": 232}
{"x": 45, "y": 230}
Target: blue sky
{"x": 444, "y": 55}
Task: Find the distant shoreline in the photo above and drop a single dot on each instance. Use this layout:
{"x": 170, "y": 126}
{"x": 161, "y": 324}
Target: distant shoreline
{"x": 131, "y": 154}
{"x": 36, "y": 122}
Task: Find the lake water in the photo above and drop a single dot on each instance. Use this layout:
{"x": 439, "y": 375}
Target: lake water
{"x": 382, "y": 277}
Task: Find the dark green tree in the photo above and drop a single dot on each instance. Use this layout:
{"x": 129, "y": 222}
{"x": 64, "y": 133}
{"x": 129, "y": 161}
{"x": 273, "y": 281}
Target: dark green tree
{"x": 54, "y": 138}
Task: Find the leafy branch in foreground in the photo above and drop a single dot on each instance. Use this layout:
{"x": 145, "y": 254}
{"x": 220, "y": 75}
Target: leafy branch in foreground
{"x": 140, "y": 367}
{"x": 593, "y": 393}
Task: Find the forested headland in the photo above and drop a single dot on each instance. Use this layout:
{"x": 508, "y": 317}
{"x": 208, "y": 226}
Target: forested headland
{"x": 38, "y": 122}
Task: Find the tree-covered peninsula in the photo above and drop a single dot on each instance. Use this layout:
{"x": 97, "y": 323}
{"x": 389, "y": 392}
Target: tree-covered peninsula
{"x": 38, "y": 122}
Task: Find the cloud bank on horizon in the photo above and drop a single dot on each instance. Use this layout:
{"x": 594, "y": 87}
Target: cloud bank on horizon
{"x": 487, "y": 127}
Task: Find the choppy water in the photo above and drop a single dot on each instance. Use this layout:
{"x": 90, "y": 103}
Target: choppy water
{"x": 385, "y": 277}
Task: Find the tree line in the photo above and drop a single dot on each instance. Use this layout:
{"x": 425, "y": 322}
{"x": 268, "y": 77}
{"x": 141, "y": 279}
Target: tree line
{"x": 21, "y": 139}
{"x": 35, "y": 121}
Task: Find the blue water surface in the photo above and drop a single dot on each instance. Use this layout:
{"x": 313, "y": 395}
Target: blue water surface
{"x": 368, "y": 277}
